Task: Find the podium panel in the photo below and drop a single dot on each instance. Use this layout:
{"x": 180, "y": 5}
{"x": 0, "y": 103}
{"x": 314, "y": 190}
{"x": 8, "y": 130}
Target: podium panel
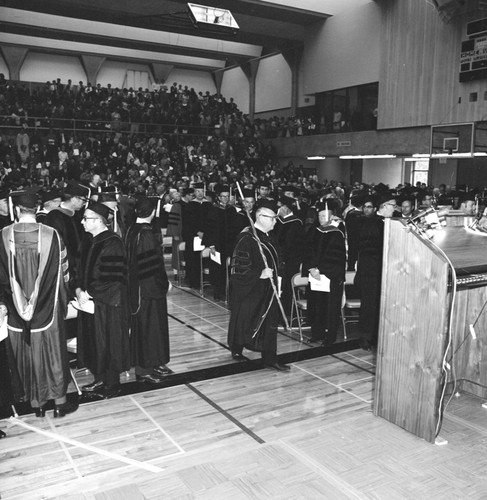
{"x": 418, "y": 305}
{"x": 412, "y": 331}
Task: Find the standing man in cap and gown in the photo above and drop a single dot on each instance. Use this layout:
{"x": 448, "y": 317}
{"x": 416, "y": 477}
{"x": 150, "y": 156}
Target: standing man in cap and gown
{"x": 103, "y": 334}
{"x": 290, "y": 238}
{"x": 369, "y": 265}
{"x": 109, "y": 197}
{"x": 5, "y": 219}
{"x": 175, "y": 227}
{"x": 254, "y": 309}
{"x": 325, "y": 258}
{"x": 50, "y": 200}
{"x": 219, "y": 236}
{"x": 66, "y": 220}
{"x": 34, "y": 277}
{"x": 196, "y": 214}
{"x": 248, "y": 205}
{"x": 148, "y": 286}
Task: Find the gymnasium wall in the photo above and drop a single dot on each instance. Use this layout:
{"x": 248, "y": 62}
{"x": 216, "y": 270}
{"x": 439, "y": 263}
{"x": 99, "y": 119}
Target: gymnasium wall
{"x": 419, "y": 78}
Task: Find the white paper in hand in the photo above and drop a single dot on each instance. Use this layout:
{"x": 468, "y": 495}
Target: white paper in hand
{"x": 321, "y": 285}
{"x": 87, "y": 307}
{"x": 4, "y": 329}
{"x": 197, "y": 245}
{"x": 216, "y": 258}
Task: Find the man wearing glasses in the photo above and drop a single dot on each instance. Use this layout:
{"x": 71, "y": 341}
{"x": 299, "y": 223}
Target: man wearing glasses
{"x": 103, "y": 334}
{"x": 67, "y": 222}
{"x": 369, "y": 266}
{"x": 254, "y": 311}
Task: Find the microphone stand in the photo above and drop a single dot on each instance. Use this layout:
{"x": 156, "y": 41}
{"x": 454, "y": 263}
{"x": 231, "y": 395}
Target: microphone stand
{"x": 261, "y": 250}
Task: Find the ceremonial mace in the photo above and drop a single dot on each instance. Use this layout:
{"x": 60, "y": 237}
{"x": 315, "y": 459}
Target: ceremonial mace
{"x": 259, "y": 244}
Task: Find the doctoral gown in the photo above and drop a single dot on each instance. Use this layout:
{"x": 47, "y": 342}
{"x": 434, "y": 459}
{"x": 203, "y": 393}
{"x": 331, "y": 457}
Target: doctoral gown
{"x": 253, "y": 307}
{"x": 148, "y": 285}
{"x": 36, "y": 344}
{"x": 103, "y": 337}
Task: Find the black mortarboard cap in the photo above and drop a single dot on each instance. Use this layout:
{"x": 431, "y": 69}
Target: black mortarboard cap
{"x": 248, "y": 193}
{"x": 107, "y": 196}
{"x": 145, "y": 205}
{"x": 222, "y": 188}
{"x": 99, "y": 209}
{"x": 287, "y": 201}
{"x": 28, "y": 198}
{"x": 76, "y": 189}
{"x": 385, "y": 196}
{"x": 327, "y": 204}
{"x": 50, "y": 195}
{"x": 263, "y": 203}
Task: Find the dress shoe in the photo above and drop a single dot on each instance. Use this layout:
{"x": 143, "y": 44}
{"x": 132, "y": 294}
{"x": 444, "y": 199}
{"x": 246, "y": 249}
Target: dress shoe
{"x": 279, "y": 367}
{"x": 113, "y": 392}
{"x": 39, "y": 411}
{"x": 65, "y": 408}
{"x": 94, "y": 386}
{"x": 238, "y": 356}
{"x": 149, "y": 378}
{"x": 161, "y": 371}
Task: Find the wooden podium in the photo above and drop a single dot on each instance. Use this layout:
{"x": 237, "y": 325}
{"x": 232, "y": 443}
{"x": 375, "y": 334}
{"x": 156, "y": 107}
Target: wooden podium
{"x": 416, "y": 300}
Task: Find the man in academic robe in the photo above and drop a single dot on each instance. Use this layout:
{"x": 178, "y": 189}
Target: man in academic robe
{"x": 369, "y": 265}
{"x": 195, "y": 217}
{"x": 34, "y": 276}
{"x": 219, "y": 236}
{"x": 5, "y": 219}
{"x": 248, "y": 209}
{"x": 109, "y": 197}
{"x": 290, "y": 237}
{"x": 66, "y": 221}
{"x": 148, "y": 286}
{"x": 253, "y": 304}
{"x": 325, "y": 259}
{"x": 175, "y": 227}
{"x": 103, "y": 333}
{"x": 50, "y": 200}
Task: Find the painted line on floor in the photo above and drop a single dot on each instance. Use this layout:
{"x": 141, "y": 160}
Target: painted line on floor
{"x": 173, "y": 441}
{"x": 355, "y": 365}
{"x": 65, "y": 449}
{"x": 328, "y": 474}
{"x": 226, "y": 414}
{"x": 332, "y": 384}
{"x": 93, "y": 449}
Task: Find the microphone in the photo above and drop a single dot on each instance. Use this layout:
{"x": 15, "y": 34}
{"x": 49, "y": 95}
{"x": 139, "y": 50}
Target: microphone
{"x": 424, "y": 213}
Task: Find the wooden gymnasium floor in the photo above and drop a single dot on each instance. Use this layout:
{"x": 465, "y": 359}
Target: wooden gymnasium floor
{"x": 218, "y": 429}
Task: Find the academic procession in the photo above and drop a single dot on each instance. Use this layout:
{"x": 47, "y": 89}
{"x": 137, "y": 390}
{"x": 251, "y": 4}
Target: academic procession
{"x": 243, "y": 250}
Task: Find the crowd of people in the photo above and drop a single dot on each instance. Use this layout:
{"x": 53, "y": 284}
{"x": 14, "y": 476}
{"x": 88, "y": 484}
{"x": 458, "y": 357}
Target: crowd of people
{"x": 96, "y": 204}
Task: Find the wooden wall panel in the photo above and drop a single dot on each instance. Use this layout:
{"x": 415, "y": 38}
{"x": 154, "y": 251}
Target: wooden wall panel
{"x": 419, "y": 80}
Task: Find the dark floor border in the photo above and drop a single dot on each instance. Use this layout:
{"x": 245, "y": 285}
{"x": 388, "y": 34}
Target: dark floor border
{"x": 232, "y": 368}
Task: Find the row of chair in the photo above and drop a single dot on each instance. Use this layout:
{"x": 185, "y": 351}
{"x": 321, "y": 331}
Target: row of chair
{"x": 299, "y": 303}
{"x": 349, "y": 309}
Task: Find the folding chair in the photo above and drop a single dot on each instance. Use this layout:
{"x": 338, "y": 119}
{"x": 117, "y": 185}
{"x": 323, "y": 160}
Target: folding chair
{"x": 299, "y": 303}
{"x": 228, "y": 264}
{"x": 72, "y": 346}
{"x": 181, "y": 263}
{"x": 349, "y": 304}
{"x": 204, "y": 271}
